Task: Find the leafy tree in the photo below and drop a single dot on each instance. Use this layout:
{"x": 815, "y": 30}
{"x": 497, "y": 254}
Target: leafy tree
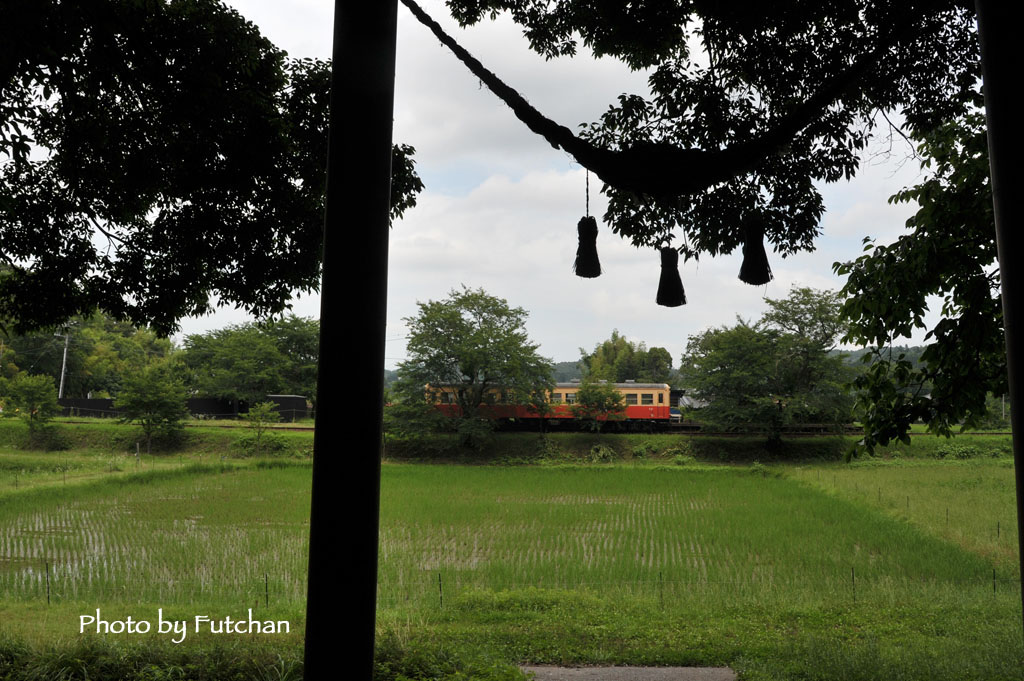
{"x": 808, "y": 314}
{"x": 158, "y": 153}
{"x": 102, "y": 352}
{"x": 33, "y": 399}
{"x": 766, "y": 376}
{"x": 260, "y": 417}
{"x": 8, "y": 367}
{"x": 236, "y": 363}
{"x": 298, "y": 340}
{"x": 598, "y": 402}
{"x": 477, "y": 344}
{"x": 247, "y": 362}
{"x": 156, "y": 400}
{"x": 618, "y": 360}
{"x": 950, "y": 253}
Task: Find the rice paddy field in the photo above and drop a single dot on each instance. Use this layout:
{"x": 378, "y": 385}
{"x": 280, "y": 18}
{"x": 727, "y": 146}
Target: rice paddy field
{"x": 878, "y": 570}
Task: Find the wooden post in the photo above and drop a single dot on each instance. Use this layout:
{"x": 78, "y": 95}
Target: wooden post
{"x": 341, "y": 600}
{"x": 998, "y": 33}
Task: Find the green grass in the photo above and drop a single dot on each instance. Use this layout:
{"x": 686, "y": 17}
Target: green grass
{"x": 968, "y": 503}
{"x": 780, "y": 571}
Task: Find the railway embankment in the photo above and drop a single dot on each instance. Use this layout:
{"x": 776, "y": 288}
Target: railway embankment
{"x": 221, "y": 440}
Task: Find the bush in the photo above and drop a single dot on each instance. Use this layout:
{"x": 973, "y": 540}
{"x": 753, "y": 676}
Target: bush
{"x": 957, "y": 451}
{"x": 155, "y": 399}
{"x": 33, "y": 399}
{"x": 602, "y": 454}
{"x": 641, "y": 450}
{"x": 253, "y": 444}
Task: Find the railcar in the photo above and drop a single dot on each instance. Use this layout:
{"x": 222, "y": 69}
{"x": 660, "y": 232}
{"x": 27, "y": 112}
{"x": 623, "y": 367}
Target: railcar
{"x": 648, "y": 403}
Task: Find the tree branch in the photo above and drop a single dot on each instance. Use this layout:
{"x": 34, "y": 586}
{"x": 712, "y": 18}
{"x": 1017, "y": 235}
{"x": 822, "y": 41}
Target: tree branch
{"x": 661, "y": 169}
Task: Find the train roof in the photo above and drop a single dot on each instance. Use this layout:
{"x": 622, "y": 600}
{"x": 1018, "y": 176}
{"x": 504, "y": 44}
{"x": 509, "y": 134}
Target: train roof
{"x": 630, "y": 384}
{"x": 573, "y": 384}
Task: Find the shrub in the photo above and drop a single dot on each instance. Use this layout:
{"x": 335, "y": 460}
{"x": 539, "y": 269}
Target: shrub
{"x": 49, "y": 438}
{"x": 259, "y": 445}
{"x": 602, "y": 454}
{"x": 33, "y": 399}
{"x": 957, "y": 451}
{"x": 260, "y": 418}
{"x": 156, "y": 401}
{"x": 643, "y": 449}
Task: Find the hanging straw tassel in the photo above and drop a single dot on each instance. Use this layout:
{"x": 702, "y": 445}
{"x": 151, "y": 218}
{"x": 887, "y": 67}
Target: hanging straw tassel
{"x": 587, "y": 265}
{"x": 755, "y": 269}
{"x": 670, "y": 287}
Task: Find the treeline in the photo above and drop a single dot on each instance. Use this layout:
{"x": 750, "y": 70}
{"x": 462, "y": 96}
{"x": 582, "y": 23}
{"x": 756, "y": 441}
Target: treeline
{"x": 783, "y": 369}
{"x": 97, "y": 356}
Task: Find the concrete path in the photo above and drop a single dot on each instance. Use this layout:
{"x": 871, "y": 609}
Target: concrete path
{"x": 632, "y": 673}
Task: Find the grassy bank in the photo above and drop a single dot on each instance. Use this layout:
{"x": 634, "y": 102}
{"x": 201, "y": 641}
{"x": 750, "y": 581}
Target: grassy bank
{"x": 534, "y": 448}
{"x": 199, "y": 439}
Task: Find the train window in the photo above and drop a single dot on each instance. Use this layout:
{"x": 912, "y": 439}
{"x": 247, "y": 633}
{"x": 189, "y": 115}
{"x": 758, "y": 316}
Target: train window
{"x": 647, "y": 398}
{"x": 447, "y": 398}
{"x": 630, "y": 398}
{"x": 556, "y": 398}
{"x": 661, "y": 398}
{"x": 570, "y": 398}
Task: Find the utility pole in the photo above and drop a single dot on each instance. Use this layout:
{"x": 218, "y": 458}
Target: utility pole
{"x": 64, "y": 362}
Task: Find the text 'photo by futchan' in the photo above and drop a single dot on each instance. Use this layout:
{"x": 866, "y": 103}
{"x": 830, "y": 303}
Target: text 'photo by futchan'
{"x": 179, "y": 629}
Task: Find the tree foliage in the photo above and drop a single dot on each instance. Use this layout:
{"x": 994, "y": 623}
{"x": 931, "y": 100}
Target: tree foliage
{"x": 261, "y": 417}
{"x": 478, "y": 345}
{"x": 155, "y": 399}
{"x": 751, "y": 106}
{"x": 764, "y": 376}
{"x": 950, "y": 253}
{"x": 598, "y": 402}
{"x": 31, "y": 398}
{"x": 618, "y": 360}
{"x": 236, "y": 363}
{"x": 175, "y": 136}
{"x": 102, "y": 353}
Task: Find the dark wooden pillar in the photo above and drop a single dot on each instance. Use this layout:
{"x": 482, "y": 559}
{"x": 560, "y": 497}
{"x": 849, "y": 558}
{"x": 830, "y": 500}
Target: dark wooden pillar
{"x": 998, "y": 26}
{"x": 341, "y": 604}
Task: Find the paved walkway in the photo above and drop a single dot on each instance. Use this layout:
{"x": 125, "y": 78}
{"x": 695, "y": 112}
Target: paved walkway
{"x": 632, "y": 673}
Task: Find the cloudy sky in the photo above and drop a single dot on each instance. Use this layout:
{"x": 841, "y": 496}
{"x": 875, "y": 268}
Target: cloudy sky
{"x": 500, "y": 206}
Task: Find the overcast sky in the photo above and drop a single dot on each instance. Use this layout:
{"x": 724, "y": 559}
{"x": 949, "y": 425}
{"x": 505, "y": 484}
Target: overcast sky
{"x": 500, "y": 206}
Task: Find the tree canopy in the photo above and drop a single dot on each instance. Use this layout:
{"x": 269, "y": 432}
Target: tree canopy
{"x": 950, "y": 252}
{"x": 476, "y": 344}
{"x": 617, "y": 360}
{"x": 766, "y": 375}
{"x": 102, "y": 353}
{"x": 154, "y": 398}
{"x": 158, "y": 153}
{"x": 750, "y": 104}
{"x": 250, "y": 361}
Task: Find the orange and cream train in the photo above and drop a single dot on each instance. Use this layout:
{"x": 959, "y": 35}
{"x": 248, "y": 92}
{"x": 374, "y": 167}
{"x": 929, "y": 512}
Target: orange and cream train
{"x": 645, "y": 402}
